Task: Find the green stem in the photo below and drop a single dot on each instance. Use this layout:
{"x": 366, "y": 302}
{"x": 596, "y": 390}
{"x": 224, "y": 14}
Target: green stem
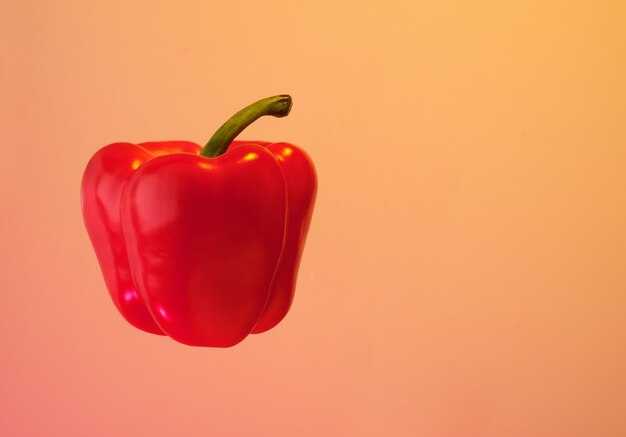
{"x": 277, "y": 106}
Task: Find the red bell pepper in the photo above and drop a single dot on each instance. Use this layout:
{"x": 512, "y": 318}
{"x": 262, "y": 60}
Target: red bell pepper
{"x": 201, "y": 245}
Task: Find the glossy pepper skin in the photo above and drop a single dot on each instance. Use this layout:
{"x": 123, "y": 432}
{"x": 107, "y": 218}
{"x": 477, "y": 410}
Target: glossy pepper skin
{"x": 203, "y": 249}
{"x": 104, "y": 180}
{"x": 301, "y": 180}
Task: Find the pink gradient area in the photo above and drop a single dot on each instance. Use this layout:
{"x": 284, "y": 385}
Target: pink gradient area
{"x": 464, "y": 273}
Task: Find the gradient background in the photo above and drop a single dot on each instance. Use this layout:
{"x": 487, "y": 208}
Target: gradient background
{"x": 465, "y": 270}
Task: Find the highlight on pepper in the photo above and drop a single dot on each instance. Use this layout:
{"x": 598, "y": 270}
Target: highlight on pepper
{"x": 202, "y": 244}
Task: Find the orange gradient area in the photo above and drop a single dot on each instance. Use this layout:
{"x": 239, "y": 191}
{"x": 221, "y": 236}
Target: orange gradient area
{"x": 465, "y": 271}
